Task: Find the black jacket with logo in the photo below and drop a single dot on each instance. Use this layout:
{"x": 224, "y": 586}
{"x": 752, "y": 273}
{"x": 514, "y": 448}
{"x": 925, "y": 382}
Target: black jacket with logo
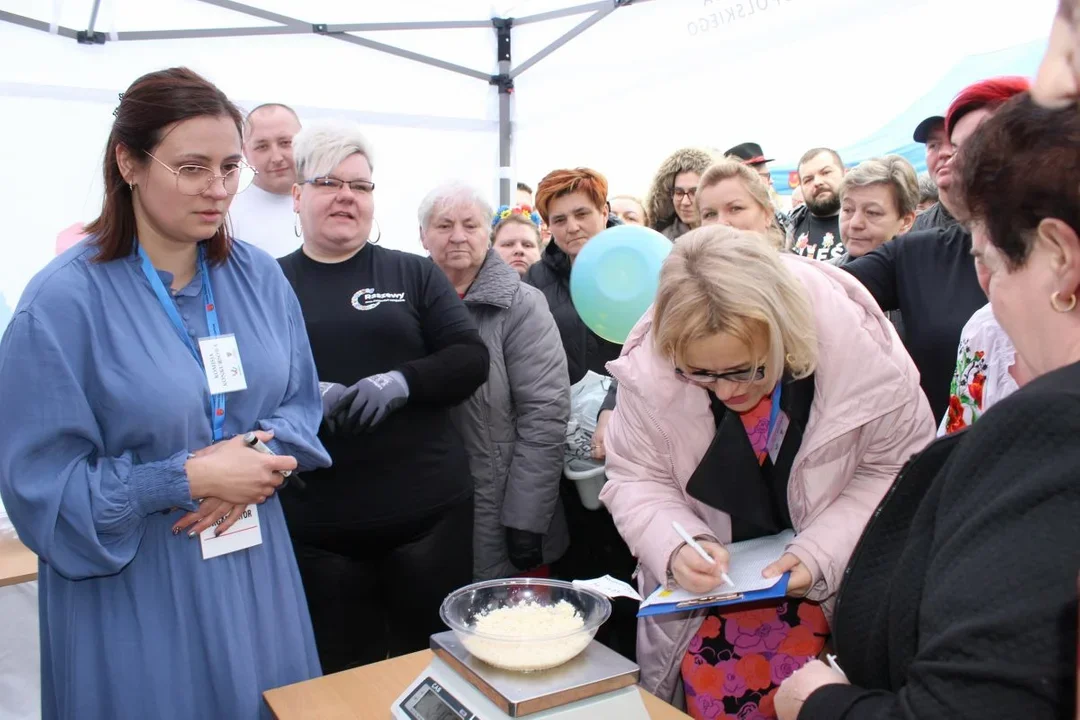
{"x": 384, "y": 310}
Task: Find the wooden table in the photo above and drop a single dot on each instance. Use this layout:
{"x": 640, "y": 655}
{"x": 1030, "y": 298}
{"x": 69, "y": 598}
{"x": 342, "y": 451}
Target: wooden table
{"x": 17, "y": 563}
{"x": 366, "y": 693}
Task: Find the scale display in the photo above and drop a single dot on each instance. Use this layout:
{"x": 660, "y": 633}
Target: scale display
{"x": 431, "y": 702}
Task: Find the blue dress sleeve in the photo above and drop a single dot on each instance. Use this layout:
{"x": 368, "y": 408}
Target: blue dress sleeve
{"x": 295, "y": 423}
{"x": 82, "y": 513}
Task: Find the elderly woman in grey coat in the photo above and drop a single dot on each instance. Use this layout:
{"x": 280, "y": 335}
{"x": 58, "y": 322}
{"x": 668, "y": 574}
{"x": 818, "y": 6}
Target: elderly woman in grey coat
{"x": 514, "y": 426}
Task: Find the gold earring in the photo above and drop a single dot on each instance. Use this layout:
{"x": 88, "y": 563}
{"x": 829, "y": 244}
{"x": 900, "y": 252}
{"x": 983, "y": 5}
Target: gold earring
{"x": 1055, "y": 302}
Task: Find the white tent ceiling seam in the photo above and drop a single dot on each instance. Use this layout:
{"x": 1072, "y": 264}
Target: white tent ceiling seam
{"x": 503, "y": 81}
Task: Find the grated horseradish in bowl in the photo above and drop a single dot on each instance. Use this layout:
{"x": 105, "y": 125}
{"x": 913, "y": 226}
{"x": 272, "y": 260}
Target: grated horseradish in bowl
{"x": 524, "y": 624}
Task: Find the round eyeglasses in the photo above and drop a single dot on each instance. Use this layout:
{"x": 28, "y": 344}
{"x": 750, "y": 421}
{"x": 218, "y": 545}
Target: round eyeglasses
{"x": 196, "y": 179}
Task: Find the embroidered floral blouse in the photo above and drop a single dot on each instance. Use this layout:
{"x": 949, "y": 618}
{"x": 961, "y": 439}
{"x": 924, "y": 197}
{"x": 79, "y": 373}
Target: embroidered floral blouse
{"x": 982, "y": 375}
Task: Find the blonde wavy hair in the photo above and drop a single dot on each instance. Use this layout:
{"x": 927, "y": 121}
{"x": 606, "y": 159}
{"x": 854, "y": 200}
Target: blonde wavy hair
{"x": 721, "y": 280}
{"x": 727, "y": 169}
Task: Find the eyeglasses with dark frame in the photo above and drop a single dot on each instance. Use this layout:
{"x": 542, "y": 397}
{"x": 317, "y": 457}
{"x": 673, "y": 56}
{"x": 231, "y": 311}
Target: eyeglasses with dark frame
{"x": 739, "y": 377}
{"x": 196, "y": 179}
{"x": 678, "y": 193}
{"x": 329, "y": 182}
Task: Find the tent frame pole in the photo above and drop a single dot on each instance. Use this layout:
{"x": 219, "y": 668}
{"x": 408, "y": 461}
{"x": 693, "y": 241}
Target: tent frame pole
{"x": 504, "y": 81}
{"x": 286, "y": 25}
{"x": 37, "y": 24}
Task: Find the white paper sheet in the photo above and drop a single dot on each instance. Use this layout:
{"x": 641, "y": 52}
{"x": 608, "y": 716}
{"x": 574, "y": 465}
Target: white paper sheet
{"x": 747, "y": 560}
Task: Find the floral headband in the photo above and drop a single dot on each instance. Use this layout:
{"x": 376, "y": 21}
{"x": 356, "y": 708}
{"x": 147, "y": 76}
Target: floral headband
{"x": 525, "y": 211}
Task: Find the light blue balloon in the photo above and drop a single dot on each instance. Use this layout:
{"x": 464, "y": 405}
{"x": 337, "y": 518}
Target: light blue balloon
{"x": 614, "y": 279}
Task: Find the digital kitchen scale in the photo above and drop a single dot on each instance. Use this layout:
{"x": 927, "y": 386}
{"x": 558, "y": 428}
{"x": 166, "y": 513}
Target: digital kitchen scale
{"x": 597, "y": 684}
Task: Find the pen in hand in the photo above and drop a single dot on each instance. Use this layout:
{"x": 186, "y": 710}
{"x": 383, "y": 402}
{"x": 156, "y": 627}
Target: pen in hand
{"x": 698, "y": 549}
{"x": 834, "y": 665}
{"x": 253, "y": 442}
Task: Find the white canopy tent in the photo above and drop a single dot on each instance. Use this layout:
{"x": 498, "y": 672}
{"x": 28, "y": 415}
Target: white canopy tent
{"x": 615, "y": 84}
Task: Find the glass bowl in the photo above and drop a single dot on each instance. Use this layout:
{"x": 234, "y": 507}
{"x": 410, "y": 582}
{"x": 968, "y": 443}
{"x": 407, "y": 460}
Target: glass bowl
{"x": 531, "y": 650}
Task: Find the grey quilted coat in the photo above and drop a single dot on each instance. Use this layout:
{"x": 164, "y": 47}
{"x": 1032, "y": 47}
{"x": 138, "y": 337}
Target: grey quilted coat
{"x": 514, "y": 426}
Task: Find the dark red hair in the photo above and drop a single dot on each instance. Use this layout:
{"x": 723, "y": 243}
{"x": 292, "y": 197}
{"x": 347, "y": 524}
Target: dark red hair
{"x": 565, "y": 182}
{"x": 984, "y": 94}
{"x": 152, "y": 103}
{"x": 1021, "y": 167}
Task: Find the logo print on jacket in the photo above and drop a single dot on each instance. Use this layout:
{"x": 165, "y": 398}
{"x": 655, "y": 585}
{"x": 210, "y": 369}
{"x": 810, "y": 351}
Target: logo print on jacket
{"x": 368, "y": 299}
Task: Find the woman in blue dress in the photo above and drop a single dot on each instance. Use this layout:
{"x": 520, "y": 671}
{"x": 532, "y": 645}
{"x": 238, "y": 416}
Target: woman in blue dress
{"x": 125, "y": 407}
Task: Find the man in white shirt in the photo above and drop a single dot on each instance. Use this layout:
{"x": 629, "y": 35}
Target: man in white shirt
{"x": 263, "y": 214}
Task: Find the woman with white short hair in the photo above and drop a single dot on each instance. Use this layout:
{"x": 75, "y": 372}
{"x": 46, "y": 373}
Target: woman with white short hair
{"x": 514, "y": 425}
{"x": 395, "y": 350}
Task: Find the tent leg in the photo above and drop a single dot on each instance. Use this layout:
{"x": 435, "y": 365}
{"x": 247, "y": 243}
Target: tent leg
{"x": 506, "y": 87}
{"x": 506, "y": 146}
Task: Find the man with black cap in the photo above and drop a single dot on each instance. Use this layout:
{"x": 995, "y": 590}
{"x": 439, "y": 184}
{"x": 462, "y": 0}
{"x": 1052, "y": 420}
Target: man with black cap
{"x": 751, "y": 155}
{"x": 931, "y": 132}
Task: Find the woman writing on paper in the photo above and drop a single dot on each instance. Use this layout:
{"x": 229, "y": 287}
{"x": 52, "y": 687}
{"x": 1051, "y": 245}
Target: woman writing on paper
{"x": 741, "y": 340}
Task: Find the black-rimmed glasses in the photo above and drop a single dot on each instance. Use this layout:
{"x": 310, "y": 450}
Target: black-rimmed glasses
{"x": 739, "y": 377}
{"x": 196, "y": 179}
{"x": 678, "y": 193}
{"x": 333, "y": 184}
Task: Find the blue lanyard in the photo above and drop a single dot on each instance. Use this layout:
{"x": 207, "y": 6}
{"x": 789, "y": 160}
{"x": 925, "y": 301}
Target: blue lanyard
{"x": 217, "y": 402}
{"x": 775, "y": 412}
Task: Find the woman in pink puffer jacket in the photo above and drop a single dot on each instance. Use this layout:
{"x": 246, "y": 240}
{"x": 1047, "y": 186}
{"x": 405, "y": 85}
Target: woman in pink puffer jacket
{"x": 696, "y": 438}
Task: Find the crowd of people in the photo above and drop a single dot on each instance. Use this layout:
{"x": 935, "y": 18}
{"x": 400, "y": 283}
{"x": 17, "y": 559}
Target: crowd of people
{"x": 792, "y": 374}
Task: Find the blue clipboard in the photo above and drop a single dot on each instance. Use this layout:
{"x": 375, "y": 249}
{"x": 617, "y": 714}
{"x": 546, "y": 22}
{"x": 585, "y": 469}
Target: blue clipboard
{"x": 719, "y": 599}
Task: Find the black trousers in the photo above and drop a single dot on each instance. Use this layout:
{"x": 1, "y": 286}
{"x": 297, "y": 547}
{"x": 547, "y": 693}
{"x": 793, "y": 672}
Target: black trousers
{"x": 597, "y": 549}
{"x": 375, "y": 593}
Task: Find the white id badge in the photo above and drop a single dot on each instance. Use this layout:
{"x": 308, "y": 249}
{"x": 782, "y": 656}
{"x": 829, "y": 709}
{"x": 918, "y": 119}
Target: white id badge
{"x": 776, "y": 439}
{"x": 245, "y": 533}
{"x": 221, "y": 359}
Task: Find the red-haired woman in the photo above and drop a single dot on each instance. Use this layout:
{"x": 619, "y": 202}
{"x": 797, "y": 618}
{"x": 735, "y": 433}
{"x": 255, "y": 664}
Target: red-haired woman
{"x": 574, "y": 205}
{"x": 134, "y": 365}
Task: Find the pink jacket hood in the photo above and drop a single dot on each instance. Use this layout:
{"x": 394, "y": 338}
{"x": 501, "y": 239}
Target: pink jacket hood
{"x": 867, "y": 417}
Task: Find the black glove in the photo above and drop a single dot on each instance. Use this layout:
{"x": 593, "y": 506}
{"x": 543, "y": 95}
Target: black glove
{"x": 333, "y": 395}
{"x": 363, "y": 407}
{"x": 526, "y": 549}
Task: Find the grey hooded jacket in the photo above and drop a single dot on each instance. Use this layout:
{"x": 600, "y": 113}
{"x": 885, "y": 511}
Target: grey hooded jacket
{"x": 514, "y": 426}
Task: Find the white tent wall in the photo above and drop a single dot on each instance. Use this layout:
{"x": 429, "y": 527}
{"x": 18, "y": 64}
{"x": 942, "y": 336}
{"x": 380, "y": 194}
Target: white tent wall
{"x": 647, "y": 78}
{"x": 790, "y": 75}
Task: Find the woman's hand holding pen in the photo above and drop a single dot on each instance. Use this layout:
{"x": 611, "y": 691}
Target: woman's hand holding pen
{"x": 235, "y": 473}
{"x": 227, "y": 477}
{"x": 695, "y": 574}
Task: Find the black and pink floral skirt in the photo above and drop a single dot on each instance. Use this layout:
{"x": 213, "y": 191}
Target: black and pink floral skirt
{"x": 738, "y": 658}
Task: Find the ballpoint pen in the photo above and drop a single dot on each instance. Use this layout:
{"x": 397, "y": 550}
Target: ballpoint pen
{"x": 698, "y": 549}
